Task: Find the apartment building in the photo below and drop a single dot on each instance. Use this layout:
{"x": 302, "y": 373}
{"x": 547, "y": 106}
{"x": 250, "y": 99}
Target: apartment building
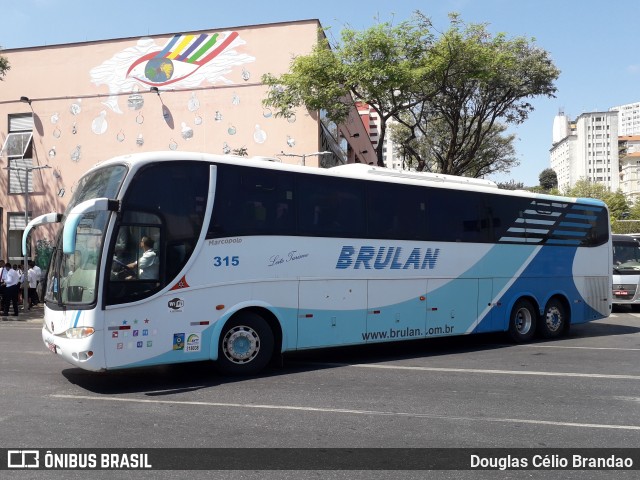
{"x": 586, "y": 148}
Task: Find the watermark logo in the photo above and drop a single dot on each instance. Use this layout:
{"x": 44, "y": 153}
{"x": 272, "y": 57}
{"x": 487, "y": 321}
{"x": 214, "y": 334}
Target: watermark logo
{"x": 23, "y": 459}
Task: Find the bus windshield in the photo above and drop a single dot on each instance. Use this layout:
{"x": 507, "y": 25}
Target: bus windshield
{"x": 72, "y": 278}
{"x": 626, "y": 256}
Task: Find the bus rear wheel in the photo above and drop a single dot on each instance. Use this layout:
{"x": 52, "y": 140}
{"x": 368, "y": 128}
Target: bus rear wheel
{"x": 246, "y": 345}
{"x": 523, "y": 320}
{"x": 554, "y": 319}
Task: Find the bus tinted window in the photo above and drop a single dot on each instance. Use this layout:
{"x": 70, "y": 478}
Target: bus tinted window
{"x": 396, "y": 211}
{"x": 252, "y": 202}
{"x": 165, "y": 202}
{"x": 331, "y": 207}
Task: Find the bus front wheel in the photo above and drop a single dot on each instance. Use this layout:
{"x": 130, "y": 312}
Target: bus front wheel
{"x": 554, "y": 319}
{"x": 522, "y": 324}
{"x": 246, "y": 345}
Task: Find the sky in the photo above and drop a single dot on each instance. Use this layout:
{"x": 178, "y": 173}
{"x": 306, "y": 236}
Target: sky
{"x": 593, "y": 43}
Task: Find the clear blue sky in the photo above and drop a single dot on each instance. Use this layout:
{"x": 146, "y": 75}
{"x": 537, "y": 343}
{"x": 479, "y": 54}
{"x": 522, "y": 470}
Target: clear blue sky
{"x": 593, "y": 43}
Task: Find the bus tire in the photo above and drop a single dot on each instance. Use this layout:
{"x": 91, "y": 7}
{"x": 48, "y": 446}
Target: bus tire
{"x": 523, "y": 320}
{"x": 245, "y": 346}
{"x": 554, "y": 319}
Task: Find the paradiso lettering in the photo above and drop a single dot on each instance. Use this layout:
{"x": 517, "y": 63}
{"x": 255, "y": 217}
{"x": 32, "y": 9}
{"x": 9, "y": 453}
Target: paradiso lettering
{"x": 381, "y": 258}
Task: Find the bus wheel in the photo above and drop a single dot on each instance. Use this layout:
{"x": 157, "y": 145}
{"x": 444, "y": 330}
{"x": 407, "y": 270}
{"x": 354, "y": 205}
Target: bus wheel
{"x": 246, "y": 345}
{"x": 522, "y": 324}
{"x": 554, "y": 319}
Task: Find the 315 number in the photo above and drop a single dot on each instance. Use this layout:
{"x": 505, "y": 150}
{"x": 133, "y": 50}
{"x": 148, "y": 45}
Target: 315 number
{"x": 226, "y": 261}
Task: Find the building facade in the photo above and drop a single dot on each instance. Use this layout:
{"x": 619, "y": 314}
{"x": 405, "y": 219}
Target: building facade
{"x": 628, "y": 119}
{"x": 629, "y": 153}
{"x": 65, "y": 108}
{"x": 586, "y": 149}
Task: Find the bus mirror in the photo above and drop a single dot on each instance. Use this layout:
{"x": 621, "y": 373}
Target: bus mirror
{"x": 75, "y": 215}
{"x": 52, "y": 217}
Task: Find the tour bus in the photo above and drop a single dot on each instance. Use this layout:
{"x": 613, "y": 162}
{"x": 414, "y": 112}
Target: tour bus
{"x": 626, "y": 270}
{"x": 173, "y": 257}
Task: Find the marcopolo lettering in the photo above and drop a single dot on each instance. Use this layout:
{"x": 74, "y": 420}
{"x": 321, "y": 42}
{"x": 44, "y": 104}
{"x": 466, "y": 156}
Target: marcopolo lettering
{"x": 381, "y": 258}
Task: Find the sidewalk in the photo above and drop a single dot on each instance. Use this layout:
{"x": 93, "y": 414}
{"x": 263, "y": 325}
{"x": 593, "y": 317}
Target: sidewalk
{"x": 34, "y": 315}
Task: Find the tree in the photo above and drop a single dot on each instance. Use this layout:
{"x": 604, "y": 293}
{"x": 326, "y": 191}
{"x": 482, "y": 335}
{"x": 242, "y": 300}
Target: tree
{"x": 4, "y": 66}
{"x": 616, "y": 201}
{"x": 466, "y": 80}
{"x": 384, "y": 66}
{"x": 548, "y": 179}
{"x": 486, "y": 81}
{"x": 511, "y": 185}
{"x": 426, "y": 149}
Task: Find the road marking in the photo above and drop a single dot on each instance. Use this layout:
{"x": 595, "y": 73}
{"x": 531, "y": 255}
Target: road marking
{"x": 480, "y": 370}
{"x": 582, "y": 348}
{"x": 347, "y": 411}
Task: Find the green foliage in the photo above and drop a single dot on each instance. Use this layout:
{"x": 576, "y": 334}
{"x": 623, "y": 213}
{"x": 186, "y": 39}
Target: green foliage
{"x": 44, "y": 250}
{"x": 511, "y": 185}
{"x": 616, "y": 201}
{"x": 453, "y": 93}
{"x": 548, "y": 179}
{"x": 241, "y": 152}
{"x": 4, "y": 66}
{"x": 384, "y": 66}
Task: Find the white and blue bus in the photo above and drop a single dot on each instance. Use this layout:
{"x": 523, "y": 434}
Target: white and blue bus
{"x": 173, "y": 257}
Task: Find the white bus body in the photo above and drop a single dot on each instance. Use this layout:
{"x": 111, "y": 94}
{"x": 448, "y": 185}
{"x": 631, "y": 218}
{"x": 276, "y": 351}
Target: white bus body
{"x": 248, "y": 269}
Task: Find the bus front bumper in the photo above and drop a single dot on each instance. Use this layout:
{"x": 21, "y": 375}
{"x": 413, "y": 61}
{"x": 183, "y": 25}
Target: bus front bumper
{"x": 85, "y": 353}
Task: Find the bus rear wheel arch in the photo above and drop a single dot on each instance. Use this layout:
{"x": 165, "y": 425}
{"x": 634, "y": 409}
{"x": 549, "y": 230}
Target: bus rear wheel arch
{"x": 555, "y": 318}
{"x": 523, "y": 321}
{"x": 246, "y": 345}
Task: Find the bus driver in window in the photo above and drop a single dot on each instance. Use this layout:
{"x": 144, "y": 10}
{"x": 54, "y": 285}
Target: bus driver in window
{"x": 148, "y": 263}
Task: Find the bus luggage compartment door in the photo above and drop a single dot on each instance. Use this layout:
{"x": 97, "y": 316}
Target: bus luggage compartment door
{"x": 331, "y": 312}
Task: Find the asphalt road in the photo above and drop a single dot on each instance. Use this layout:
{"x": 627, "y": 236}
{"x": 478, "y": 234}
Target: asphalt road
{"x": 581, "y": 391}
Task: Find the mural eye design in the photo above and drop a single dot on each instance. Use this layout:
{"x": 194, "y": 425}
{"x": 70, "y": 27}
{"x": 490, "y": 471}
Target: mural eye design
{"x": 179, "y": 58}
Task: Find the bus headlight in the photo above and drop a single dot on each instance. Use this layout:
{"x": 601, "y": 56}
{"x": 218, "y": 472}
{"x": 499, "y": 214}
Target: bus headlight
{"x": 81, "y": 332}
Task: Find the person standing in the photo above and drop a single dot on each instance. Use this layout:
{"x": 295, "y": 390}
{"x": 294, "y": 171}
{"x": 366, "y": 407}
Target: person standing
{"x": 33, "y": 283}
{"x": 3, "y": 284}
{"x": 38, "y": 272}
{"x": 11, "y": 291}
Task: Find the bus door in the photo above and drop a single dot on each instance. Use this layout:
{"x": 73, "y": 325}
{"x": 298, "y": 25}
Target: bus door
{"x": 331, "y": 312}
{"x": 453, "y": 305}
{"x": 396, "y": 309}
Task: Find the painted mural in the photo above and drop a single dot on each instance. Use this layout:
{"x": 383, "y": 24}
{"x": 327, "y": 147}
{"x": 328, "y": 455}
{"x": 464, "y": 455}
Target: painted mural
{"x": 185, "y": 61}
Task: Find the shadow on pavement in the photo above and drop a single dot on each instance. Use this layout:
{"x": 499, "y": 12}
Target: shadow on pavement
{"x": 169, "y": 380}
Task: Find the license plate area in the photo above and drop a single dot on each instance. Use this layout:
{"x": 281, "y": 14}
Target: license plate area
{"x": 52, "y": 347}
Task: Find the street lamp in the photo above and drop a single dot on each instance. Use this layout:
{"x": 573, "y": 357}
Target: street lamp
{"x": 27, "y": 170}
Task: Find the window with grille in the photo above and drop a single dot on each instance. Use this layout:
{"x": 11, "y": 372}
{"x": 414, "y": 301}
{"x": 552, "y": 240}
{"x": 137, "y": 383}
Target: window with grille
{"x": 18, "y": 149}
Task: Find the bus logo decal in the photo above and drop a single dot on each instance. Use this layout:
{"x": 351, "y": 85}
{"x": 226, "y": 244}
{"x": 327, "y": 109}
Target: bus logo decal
{"x": 193, "y": 343}
{"x": 181, "y": 284}
{"x": 176, "y": 304}
{"x": 383, "y": 258}
{"x": 178, "y": 341}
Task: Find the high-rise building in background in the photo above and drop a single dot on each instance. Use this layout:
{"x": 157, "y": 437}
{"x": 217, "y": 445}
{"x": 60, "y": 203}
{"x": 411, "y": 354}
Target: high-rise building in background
{"x": 586, "y": 148}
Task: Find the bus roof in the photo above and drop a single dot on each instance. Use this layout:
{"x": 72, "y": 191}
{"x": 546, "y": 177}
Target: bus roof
{"x": 354, "y": 170}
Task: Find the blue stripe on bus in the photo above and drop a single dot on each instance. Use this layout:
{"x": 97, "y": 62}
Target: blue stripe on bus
{"x": 576, "y": 215}
{"x": 557, "y": 241}
{"x": 75, "y": 323}
{"x": 569, "y": 233}
{"x": 593, "y": 206}
{"x": 574, "y": 224}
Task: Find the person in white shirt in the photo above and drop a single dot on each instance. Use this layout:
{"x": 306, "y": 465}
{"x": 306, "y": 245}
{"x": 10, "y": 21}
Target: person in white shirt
{"x": 33, "y": 283}
{"x": 148, "y": 263}
{"x": 38, "y": 271}
{"x": 11, "y": 291}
